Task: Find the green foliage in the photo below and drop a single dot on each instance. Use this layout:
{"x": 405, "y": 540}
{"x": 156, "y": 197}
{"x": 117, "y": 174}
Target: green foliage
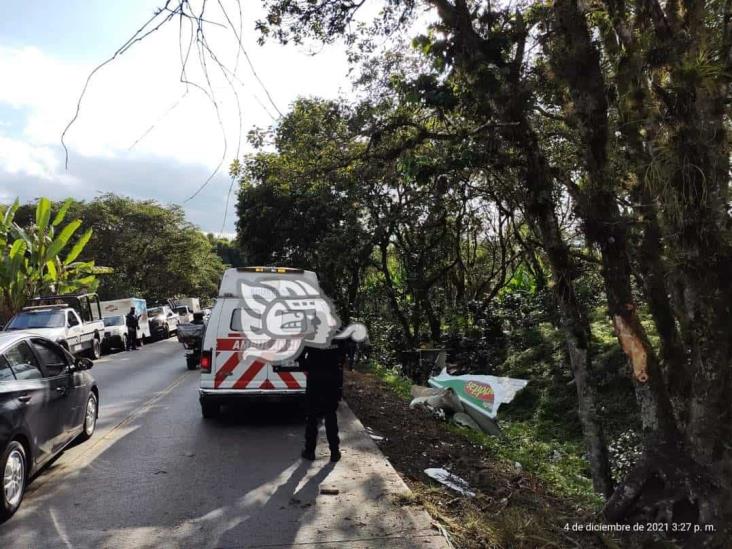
{"x": 228, "y": 250}
{"x": 603, "y": 134}
{"x": 549, "y": 455}
{"x": 154, "y": 252}
{"x": 296, "y": 209}
{"x": 559, "y": 463}
{"x": 398, "y": 383}
{"x": 32, "y": 260}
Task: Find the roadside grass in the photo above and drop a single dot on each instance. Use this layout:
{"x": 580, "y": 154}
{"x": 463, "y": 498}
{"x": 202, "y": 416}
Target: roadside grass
{"x": 481, "y": 522}
{"x": 398, "y": 383}
{"x": 560, "y": 465}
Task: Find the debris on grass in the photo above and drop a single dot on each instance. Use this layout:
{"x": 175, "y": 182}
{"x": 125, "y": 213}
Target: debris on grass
{"x": 462, "y": 419}
{"x": 373, "y": 435}
{"x": 512, "y": 508}
{"x": 443, "y": 476}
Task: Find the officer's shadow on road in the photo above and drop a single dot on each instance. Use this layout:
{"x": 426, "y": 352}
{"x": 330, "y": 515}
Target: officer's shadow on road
{"x": 287, "y": 501}
{"x": 305, "y": 496}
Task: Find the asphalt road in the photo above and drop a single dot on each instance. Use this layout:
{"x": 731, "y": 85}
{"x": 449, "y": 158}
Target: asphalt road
{"x": 156, "y": 474}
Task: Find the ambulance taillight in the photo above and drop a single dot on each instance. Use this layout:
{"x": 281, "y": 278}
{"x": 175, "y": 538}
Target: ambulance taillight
{"x": 206, "y": 362}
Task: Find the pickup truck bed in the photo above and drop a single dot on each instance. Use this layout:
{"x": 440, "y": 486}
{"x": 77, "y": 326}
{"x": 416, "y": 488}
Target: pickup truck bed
{"x": 191, "y": 335}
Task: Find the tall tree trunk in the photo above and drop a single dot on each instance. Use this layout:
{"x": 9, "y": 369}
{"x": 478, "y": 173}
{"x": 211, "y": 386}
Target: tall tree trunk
{"x": 473, "y": 56}
{"x": 667, "y": 458}
{"x": 432, "y": 318}
{"x": 391, "y": 292}
{"x": 578, "y": 62}
{"x": 573, "y": 319}
{"x": 633, "y": 105}
{"x": 674, "y": 366}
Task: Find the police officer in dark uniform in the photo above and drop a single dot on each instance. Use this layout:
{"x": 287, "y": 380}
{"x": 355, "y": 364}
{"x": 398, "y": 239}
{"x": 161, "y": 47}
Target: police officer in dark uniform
{"x": 132, "y": 321}
{"x": 324, "y": 369}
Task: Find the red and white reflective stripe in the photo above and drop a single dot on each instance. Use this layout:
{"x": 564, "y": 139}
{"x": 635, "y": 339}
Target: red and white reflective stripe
{"x": 290, "y": 380}
{"x": 267, "y": 384}
{"x": 249, "y": 375}
{"x": 230, "y": 372}
{"x": 229, "y": 365}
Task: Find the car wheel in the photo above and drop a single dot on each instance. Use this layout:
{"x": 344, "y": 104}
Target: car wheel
{"x": 14, "y": 467}
{"x": 209, "y": 409}
{"x": 96, "y": 349}
{"x": 90, "y": 417}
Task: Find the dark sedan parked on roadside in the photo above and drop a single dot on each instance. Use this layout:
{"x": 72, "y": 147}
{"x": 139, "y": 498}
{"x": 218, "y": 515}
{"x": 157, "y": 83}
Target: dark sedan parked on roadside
{"x": 47, "y": 400}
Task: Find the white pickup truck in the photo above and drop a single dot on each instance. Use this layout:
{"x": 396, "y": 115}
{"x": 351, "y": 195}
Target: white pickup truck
{"x": 74, "y": 322}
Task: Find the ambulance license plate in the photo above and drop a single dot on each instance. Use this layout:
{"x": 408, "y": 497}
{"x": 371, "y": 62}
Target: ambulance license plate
{"x": 287, "y": 367}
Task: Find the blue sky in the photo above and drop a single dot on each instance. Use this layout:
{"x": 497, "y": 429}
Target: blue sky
{"x": 48, "y": 47}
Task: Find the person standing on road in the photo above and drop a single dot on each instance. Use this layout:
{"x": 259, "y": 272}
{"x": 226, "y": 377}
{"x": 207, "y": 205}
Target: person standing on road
{"x": 324, "y": 368}
{"x": 133, "y": 323}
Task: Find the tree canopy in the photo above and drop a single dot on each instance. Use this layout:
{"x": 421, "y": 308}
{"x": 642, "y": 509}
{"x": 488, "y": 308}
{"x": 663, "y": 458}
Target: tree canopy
{"x": 153, "y": 251}
{"x": 585, "y": 145}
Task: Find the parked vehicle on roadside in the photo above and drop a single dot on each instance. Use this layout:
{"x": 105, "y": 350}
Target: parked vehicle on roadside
{"x": 191, "y": 336}
{"x": 163, "y": 321}
{"x": 122, "y": 307}
{"x": 115, "y": 333}
{"x": 73, "y": 321}
{"x": 193, "y": 303}
{"x": 185, "y": 315}
{"x": 47, "y": 400}
{"x": 225, "y": 375}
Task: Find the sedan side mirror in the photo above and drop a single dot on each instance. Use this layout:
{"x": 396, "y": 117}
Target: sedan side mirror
{"x": 82, "y": 363}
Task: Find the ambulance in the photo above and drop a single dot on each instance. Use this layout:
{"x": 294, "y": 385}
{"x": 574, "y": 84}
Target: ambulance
{"x": 262, "y": 319}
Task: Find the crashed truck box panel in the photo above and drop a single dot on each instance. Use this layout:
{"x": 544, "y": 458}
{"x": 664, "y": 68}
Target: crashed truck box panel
{"x": 481, "y": 395}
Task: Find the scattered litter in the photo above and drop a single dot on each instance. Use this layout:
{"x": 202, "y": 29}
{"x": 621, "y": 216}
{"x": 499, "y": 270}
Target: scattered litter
{"x": 443, "y": 476}
{"x": 419, "y": 391}
{"x": 487, "y": 425}
{"x": 444, "y": 533}
{"x": 329, "y": 491}
{"x": 371, "y": 433}
{"x": 464, "y": 420}
{"x": 445, "y": 399}
{"x": 517, "y": 465}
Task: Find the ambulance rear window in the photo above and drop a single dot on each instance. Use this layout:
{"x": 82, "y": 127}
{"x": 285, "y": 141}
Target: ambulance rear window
{"x": 235, "y": 324}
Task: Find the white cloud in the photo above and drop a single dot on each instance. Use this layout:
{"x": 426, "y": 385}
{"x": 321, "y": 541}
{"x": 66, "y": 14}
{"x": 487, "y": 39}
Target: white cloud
{"x": 139, "y": 89}
{"x": 21, "y": 157}
{"x": 133, "y": 93}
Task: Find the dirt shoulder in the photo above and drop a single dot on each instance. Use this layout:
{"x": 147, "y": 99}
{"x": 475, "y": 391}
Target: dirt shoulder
{"x": 511, "y": 509}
